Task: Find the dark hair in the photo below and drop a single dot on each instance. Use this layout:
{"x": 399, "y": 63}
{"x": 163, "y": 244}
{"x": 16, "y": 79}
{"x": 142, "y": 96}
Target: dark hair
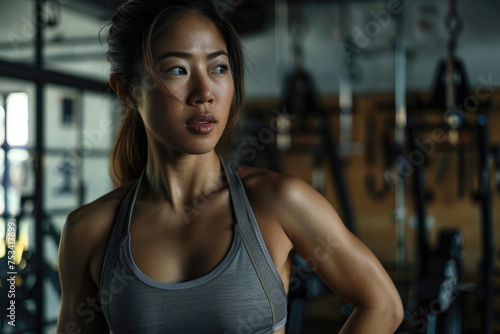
{"x": 132, "y": 30}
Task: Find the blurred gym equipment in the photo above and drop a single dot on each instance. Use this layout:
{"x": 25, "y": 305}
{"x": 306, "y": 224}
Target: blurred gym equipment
{"x": 439, "y": 268}
{"x": 486, "y": 268}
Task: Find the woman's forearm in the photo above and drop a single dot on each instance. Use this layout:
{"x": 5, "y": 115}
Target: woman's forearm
{"x": 383, "y": 320}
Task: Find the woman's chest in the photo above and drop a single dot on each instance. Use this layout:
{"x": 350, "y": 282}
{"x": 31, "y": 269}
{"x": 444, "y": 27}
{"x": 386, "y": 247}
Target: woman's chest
{"x": 177, "y": 247}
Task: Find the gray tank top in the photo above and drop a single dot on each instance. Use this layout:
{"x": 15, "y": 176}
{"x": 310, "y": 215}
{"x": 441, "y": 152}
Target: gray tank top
{"x": 242, "y": 294}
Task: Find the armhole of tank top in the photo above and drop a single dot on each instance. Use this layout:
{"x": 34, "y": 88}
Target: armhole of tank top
{"x": 232, "y": 169}
{"x": 112, "y": 248}
{"x": 262, "y": 244}
{"x": 109, "y": 265}
{"x": 105, "y": 307}
{"x": 107, "y": 268}
{"x": 256, "y": 230}
{"x": 277, "y": 326}
{"x": 111, "y": 239}
{"x": 260, "y": 240}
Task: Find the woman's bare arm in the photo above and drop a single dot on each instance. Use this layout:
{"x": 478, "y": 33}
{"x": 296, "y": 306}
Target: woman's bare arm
{"x": 345, "y": 264}
{"x": 80, "y": 309}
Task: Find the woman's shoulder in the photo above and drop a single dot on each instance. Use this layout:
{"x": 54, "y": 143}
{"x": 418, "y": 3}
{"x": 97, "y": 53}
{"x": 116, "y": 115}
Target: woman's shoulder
{"x": 286, "y": 199}
{"x": 274, "y": 189}
{"x": 83, "y": 240}
{"x": 92, "y": 222}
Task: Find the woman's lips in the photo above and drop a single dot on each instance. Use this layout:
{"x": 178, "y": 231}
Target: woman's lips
{"x": 201, "y": 124}
{"x": 201, "y": 128}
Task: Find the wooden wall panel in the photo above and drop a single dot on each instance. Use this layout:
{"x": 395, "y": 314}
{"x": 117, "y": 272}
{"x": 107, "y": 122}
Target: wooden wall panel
{"x": 374, "y": 218}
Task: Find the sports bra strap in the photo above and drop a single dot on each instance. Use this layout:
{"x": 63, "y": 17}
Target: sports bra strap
{"x": 116, "y": 236}
{"x": 252, "y": 239}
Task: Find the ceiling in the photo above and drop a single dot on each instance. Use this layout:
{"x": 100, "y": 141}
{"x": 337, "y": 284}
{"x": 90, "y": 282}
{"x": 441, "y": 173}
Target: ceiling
{"x": 252, "y": 15}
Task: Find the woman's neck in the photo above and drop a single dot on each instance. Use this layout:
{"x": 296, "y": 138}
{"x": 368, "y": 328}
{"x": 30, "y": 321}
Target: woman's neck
{"x": 180, "y": 179}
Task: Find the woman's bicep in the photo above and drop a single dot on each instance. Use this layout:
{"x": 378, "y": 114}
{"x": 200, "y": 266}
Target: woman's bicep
{"x": 345, "y": 264}
{"x": 80, "y": 310}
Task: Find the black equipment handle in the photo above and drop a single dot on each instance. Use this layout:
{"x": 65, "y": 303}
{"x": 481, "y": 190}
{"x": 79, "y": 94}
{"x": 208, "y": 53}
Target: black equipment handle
{"x": 485, "y": 290}
{"x": 420, "y": 204}
{"x": 337, "y": 170}
{"x": 370, "y": 144}
{"x": 462, "y": 164}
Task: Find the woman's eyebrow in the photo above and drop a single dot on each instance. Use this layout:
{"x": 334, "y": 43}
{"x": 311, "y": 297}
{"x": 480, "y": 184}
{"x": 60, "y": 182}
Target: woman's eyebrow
{"x": 186, "y": 55}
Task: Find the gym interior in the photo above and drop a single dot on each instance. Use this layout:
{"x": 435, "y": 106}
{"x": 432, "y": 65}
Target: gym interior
{"x": 387, "y": 108}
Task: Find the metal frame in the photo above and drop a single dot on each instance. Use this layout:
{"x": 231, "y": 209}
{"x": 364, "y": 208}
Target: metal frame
{"x": 40, "y": 77}
{"x": 399, "y": 135}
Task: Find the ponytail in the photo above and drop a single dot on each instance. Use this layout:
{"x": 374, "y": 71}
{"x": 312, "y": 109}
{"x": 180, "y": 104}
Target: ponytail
{"x": 129, "y": 154}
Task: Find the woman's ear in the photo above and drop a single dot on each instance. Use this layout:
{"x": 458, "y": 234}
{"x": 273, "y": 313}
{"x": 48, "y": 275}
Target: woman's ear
{"x": 120, "y": 89}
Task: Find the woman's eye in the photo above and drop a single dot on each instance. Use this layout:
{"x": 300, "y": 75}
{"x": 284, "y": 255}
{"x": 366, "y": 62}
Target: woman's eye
{"x": 220, "y": 69}
{"x": 177, "y": 71}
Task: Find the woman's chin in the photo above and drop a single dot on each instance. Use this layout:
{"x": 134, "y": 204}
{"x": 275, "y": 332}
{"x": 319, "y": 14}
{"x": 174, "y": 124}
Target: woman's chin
{"x": 198, "y": 149}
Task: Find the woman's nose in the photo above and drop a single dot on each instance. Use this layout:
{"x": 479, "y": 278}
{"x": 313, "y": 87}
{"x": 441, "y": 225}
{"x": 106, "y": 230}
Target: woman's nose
{"x": 201, "y": 91}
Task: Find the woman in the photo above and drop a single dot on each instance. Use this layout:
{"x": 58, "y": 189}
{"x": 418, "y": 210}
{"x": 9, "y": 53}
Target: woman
{"x": 187, "y": 243}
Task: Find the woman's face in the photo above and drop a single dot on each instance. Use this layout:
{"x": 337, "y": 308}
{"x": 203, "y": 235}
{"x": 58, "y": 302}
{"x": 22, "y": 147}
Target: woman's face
{"x": 193, "y": 64}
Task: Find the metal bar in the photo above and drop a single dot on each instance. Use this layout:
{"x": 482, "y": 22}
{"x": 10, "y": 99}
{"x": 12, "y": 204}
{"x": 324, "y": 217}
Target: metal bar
{"x": 29, "y": 73}
{"x": 345, "y": 86}
{"x": 66, "y": 57}
{"x": 450, "y": 80}
{"x": 281, "y": 42}
{"x": 282, "y": 61}
{"x": 420, "y": 203}
{"x": 345, "y": 103}
{"x": 79, "y": 152}
{"x": 79, "y": 167}
{"x": 67, "y": 41}
{"x": 6, "y": 148}
{"x": 39, "y": 174}
{"x": 91, "y": 56}
{"x": 485, "y": 195}
{"x": 337, "y": 172}
{"x": 400, "y": 124}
